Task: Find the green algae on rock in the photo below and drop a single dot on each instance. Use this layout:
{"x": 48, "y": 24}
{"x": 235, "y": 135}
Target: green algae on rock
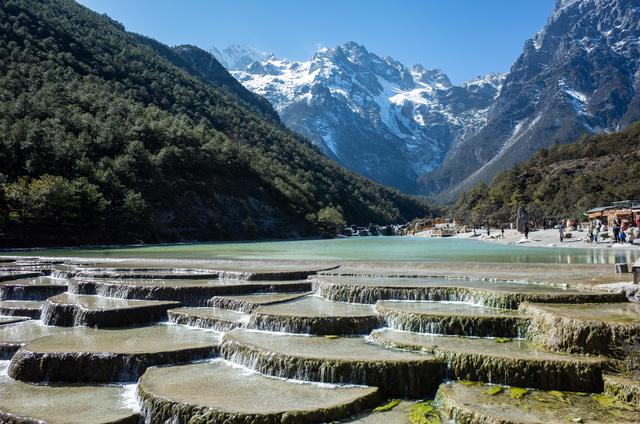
{"x": 215, "y": 391}
{"x": 315, "y": 315}
{"x": 583, "y": 328}
{"x": 514, "y": 364}
{"x": 345, "y": 360}
{"x": 424, "y": 413}
{"x": 452, "y": 318}
{"x": 99, "y": 355}
{"x": 387, "y": 406}
{"x": 209, "y": 318}
{"x": 69, "y": 310}
{"x": 473, "y": 405}
{"x": 624, "y": 387}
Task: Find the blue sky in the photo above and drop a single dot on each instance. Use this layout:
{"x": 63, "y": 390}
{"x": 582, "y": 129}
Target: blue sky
{"x": 465, "y": 38}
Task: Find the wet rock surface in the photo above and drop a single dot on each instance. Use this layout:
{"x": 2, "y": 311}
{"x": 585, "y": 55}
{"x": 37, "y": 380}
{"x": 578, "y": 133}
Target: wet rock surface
{"x": 624, "y": 387}
{"x": 14, "y": 336}
{"x": 69, "y": 310}
{"x": 210, "y": 318}
{"x": 59, "y": 404}
{"x": 452, "y": 318}
{"x": 39, "y": 288}
{"x": 23, "y": 308}
{"x": 315, "y": 315}
{"x": 249, "y": 302}
{"x": 505, "y": 295}
{"x": 12, "y": 319}
{"x": 187, "y": 292}
{"x": 460, "y": 328}
{"x": 478, "y": 403}
{"x": 345, "y": 360}
{"x": 583, "y": 328}
{"x": 192, "y": 393}
{"x": 97, "y": 355}
{"x": 510, "y": 362}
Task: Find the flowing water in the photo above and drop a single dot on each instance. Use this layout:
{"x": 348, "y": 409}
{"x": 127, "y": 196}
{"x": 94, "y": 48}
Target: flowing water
{"x": 357, "y": 248}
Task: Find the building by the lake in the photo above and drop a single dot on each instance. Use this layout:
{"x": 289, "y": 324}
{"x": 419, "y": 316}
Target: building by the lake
{"x": 625, "y": 210}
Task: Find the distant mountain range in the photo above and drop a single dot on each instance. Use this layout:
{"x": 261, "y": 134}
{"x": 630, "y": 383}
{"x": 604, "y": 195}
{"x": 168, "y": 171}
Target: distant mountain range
{"x": 371, "y": 114}
{"x": 412, "y": 129}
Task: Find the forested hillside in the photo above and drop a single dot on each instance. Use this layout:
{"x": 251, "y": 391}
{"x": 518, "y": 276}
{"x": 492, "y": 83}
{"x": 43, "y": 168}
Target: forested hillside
{"x": 106, "y": 136}
{"x": 560, "y": 182}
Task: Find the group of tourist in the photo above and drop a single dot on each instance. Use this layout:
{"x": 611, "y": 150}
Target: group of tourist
{"x": 622, "y": 232}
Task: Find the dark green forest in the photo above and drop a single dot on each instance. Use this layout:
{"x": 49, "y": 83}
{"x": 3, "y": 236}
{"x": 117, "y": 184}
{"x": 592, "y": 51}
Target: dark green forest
{"x": 561, "y": 182}
{"x": 108, "y": 136}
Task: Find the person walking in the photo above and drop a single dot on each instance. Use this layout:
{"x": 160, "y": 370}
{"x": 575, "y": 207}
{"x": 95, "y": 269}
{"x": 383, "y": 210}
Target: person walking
{"x": 561, "y": 231}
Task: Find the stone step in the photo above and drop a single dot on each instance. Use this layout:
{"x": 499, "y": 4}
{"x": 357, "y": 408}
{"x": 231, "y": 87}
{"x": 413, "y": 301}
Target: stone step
{"x": 146, "y": 273}
{"x": 210, "y": 318}
{"x": 23, "y": 308}
{"x": 9, "y": 319}
{"x": 451, "y": 318}
{"x": 342, "y": 360}
{"x": 315, "y": 315}
{"x": 502, "y": 361}
{"x": 249, "y": 302}
{"x": 39, "y": 288}
{"x": 624, "y": 387}
{"x": 14, "y": 336}
{"x": 68, "y": 310}
{"x": 55, "y": 404}
{"x": 480, "y": 404}
{"x": 187, "y": 292}
{"x": 584, "y": 328}
{"x": 86, "y": 354}
{"x": 8, "y": 275}
{"x": 495, "y": 294}
{"x": 217, "y": 392}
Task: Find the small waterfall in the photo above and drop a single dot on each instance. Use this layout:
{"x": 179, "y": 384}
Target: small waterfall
{"x": 96, "y": 367}
{"x": 371, "y": 294}
{"x": 209, "y": 323}
{"x": 314, "y": 325}
{"x": 412, "y": 379}
{"x": 456, "y": 325}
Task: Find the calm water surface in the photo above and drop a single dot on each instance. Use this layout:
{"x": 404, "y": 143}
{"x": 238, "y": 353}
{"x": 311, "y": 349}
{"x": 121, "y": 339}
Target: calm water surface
{"x": 357, "y": 248}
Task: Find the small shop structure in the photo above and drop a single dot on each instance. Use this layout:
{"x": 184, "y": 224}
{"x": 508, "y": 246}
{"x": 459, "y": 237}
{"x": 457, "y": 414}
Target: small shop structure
{"x": 625, "y": 210}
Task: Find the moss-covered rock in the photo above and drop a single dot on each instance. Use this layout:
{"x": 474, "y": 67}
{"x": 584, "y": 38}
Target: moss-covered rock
{"x": 474, "y": 404}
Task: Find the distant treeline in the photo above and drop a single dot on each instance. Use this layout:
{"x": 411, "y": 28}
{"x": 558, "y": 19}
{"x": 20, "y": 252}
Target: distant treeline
{"x": 561, "y": 182}
{"x": 106, "y": 136}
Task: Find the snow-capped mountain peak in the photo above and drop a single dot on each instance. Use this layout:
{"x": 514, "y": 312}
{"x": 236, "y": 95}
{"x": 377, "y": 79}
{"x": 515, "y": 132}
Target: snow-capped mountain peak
{"x": 237, "y": 57}
{"x": 361, "y": 108}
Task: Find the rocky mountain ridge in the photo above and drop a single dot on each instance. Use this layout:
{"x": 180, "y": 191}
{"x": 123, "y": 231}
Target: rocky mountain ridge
{"x": 371, "y": 114}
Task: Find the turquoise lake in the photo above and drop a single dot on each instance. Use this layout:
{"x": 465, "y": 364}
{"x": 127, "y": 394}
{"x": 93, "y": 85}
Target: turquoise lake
{"x": 356, "y": 249}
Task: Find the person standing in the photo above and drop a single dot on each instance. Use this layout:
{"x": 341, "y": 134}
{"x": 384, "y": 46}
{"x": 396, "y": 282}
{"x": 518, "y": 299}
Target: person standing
{"x": 616, "y": 232}
{"x": 526, "y": 232}
{"x": 561, "y": 231}
{"x": 596, "y": 233}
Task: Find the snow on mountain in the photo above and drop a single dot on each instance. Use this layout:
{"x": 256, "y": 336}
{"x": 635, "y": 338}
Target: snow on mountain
{"x": 579, "y": 74}
{"x": 238, "y": 57}
{"x": 370, "y": 113}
